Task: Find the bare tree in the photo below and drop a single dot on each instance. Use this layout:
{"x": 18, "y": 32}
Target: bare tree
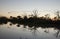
{"x": 57, "y": 13}
{"x": 35, "y": 13}
{"x": 47, "y": 15}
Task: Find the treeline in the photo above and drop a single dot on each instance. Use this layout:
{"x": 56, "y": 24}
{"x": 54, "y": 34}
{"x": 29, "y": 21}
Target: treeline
{"x": 31, "y": 22}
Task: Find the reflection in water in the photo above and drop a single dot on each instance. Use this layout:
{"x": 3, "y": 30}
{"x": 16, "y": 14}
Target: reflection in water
{"x": 10, "y": 31}
{"x": 46, "y": 31}
{"x": 29, "y": 28}
{"x": 57, "y": 34}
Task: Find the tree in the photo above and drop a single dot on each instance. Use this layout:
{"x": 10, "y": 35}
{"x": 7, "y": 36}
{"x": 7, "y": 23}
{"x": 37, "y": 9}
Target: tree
{"x": 18, "y": 17}
{"x": 11, "y": 17}
{"x": 57, "y": 13}
{"x": 47, "y": 16}
{"x": 35, "y": 13}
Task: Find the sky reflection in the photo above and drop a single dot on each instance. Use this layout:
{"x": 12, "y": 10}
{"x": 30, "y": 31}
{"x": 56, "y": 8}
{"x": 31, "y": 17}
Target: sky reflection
{"x": 14, "y": 32}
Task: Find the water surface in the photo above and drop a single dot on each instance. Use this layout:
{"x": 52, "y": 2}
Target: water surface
{"x": 14, "y": 32}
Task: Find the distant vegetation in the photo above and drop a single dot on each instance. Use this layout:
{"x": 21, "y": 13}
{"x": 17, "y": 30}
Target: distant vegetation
{"x": 33, "y": 21}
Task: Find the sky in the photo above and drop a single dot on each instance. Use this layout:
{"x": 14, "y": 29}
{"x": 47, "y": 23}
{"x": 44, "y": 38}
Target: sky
{"x": 43, "y": 6}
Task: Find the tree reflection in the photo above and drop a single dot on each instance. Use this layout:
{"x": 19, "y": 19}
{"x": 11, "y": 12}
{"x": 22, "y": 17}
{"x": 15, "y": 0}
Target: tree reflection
{"x": 57, "y": 33}
{"x": 46, "y": 30}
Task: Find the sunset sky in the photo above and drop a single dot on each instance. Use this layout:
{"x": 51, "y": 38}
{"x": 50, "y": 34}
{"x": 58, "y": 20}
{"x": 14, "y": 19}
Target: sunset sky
{"x": 16, "y": 7}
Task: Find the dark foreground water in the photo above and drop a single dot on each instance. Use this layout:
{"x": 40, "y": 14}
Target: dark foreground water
{"x": 14, "y": 32}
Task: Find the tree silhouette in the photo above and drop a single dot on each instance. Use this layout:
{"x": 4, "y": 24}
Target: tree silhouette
{"x": 11, "y": 17}
{"x": 47, "y": 16}
{"x": 35, "y": 13}
{"x": 57, "y": 13}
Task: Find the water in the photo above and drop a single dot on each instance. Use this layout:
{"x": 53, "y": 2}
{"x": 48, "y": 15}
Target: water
{"x": 14, "y": 32}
